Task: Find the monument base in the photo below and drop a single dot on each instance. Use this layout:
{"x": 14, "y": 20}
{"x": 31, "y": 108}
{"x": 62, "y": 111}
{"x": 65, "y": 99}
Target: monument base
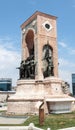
{"x": 31, "y": 93}
{"x": 27, "y": 96}
{"x": 16, "y": 107}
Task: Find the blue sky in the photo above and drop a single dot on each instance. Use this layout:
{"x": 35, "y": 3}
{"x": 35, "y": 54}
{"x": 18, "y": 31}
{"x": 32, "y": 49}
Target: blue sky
{"x": 14, "y": 12}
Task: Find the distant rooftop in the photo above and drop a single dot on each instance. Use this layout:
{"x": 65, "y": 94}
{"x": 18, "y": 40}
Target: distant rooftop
{"x": 5, "y": 79}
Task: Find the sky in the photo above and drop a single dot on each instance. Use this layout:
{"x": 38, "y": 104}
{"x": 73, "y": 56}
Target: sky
{"x": 14, "y": 12}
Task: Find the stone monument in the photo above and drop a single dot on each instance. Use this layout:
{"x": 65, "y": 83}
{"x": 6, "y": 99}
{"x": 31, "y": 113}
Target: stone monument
{"x": 38, "y": 71}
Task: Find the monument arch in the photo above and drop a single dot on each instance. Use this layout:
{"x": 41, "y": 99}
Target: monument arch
{"x": 29, "y": 39}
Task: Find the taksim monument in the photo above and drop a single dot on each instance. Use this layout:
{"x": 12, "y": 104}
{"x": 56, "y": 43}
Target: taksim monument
{"x": 38, "y": 71}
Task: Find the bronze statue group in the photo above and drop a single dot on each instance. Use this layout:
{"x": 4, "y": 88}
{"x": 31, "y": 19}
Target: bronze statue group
{"x": 27, "y": 67}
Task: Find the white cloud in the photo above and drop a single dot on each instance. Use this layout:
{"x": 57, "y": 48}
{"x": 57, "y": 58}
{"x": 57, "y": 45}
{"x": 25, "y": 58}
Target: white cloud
{"x": 72, "y": 52}
{"x": 69, "y": 49}
{"x": 62, "y": 44}
{"x": 65, "y": 62}
{"x": 66, "y": 76}
{"x": 9, "y": 60}
{"x": 66, "y": 68}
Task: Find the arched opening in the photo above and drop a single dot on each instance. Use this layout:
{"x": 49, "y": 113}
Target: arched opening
{"x": 27, "y": 67}
{"x": 48, "y": 61}
{"x": 30, "y": 42}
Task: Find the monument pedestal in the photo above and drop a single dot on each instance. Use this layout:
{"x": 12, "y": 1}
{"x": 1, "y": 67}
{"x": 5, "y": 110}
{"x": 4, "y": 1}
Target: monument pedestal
{"x": 30, "y": 92}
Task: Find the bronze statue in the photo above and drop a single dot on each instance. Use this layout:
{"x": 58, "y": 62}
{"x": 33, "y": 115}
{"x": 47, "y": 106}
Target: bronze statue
{"x": 49, "y": 61}
{"x": 27, "y": 68}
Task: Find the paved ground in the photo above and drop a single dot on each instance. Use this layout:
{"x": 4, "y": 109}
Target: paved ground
{"x": 6, "y": 120}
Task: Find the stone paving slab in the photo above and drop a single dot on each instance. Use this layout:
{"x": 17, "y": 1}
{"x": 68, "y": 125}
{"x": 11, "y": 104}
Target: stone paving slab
{"x": 13, "y": 128}
{"x": 6, "y": 120}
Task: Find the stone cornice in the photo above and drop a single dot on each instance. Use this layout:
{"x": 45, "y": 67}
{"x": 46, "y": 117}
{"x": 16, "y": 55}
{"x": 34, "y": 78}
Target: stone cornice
{"x": 35, "y": 16}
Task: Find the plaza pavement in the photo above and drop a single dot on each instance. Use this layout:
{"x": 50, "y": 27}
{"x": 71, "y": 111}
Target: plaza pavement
{"x": 7, "y": 120}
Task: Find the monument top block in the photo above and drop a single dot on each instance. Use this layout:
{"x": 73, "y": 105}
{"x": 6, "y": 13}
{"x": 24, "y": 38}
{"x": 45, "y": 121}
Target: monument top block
{"x": 39, "y": 47}
{"x": 35, "y": 15}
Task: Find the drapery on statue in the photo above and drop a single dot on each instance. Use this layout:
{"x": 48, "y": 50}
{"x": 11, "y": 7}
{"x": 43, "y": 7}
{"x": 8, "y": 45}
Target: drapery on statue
{"x": 48, "y": 59}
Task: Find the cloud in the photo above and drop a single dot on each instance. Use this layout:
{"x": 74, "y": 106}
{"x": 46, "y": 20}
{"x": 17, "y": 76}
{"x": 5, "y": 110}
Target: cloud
{"x": 62, "y": 44}
{"x": 66, "y": 76}
{"x": 69, "y": 50}
{"x": 65, "y": 62}
{"x": 9, "y": 60}
{"x": 72, "y": 51}
{"x": 9, "y": 43}
{"x": 66, "y": 68}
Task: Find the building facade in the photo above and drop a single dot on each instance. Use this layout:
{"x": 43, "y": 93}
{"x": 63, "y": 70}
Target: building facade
{"x": 73, "y": 84}
{"x": 5, "y": 84}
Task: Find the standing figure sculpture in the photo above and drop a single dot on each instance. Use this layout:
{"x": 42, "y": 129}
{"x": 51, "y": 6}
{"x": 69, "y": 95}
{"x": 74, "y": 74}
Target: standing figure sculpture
{"x": 49, "y": 61}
